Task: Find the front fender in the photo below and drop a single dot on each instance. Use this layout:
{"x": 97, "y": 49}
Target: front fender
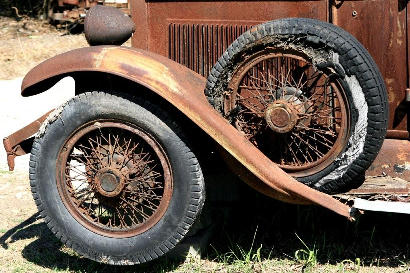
{"x": 183, "y": 88}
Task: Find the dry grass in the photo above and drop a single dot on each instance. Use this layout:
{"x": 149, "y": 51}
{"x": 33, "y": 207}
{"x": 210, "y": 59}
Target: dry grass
{"x": 19, "y": 55}
{"x": 26, "y": 43}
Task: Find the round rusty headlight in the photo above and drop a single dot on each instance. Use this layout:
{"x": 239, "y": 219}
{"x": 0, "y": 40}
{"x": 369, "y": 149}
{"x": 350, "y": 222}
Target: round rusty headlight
{"x": 107, "y": 26}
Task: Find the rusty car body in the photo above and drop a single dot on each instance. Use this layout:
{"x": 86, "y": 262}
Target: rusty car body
{"x": 175, "y": 46}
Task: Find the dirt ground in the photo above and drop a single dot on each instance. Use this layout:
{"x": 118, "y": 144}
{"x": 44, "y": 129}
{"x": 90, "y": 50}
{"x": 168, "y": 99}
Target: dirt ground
{"x": 285, "y": 238}
{"x": 25, "y": 43}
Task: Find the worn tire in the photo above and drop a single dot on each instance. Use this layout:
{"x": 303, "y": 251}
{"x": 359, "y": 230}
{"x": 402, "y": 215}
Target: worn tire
{"x": 343, "y": 54}
{"x": 188, "y": 192}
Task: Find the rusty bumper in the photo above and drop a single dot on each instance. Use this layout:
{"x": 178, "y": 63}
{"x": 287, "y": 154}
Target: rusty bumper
{"x": 184, "y": 89}
{"x": 14, "y": 143}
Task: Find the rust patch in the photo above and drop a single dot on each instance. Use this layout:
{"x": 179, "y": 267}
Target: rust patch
{"x": 393, "y": 160}
{"x": 12, "y": 143}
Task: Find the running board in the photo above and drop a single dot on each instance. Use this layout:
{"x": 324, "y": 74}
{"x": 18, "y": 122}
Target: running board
{"x": 383, "y": 206}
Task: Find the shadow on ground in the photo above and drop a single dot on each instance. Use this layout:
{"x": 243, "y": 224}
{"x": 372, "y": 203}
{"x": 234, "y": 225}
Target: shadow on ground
{"x": 376, "y": 238}
{"x": 47, "y": 251}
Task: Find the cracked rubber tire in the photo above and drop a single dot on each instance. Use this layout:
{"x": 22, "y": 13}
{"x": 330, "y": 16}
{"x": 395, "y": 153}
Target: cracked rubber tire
{"x": 335, "y": 53}
{"x": 120, "y": 241}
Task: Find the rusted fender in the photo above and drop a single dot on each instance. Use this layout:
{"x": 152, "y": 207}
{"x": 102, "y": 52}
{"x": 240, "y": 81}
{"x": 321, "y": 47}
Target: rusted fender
{"x": 184, "y": 89}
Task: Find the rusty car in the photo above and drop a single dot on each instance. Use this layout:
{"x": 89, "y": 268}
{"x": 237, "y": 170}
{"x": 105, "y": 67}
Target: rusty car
{"x": 305, "y": 101}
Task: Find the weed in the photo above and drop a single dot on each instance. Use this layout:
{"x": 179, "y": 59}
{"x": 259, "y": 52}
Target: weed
{"x": 307, "y": 256}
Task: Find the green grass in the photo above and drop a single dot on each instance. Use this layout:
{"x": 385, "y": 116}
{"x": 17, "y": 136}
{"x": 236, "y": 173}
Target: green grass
{"x": 239, "y": 258}
{"x": 307, "y": 255}
{"x": 4, "y": 171}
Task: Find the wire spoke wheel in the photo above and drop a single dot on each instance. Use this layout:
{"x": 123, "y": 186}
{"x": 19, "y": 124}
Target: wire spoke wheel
{"x": 114, "y": 178}
{"x": 308, "y": 95}
{"x": 294, "y": 113}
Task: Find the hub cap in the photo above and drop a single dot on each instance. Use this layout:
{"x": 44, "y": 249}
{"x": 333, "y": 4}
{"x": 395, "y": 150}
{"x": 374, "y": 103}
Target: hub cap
{"x": 280, "y": 117}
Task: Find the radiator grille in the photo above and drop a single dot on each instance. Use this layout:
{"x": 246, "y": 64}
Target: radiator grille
{"x": 198, "y": 46}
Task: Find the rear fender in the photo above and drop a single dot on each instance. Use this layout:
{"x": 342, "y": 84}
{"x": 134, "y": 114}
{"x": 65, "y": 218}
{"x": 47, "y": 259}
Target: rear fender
{"x": 182, "y": 88}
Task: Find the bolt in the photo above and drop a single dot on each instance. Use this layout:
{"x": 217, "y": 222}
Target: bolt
{"x": 354, "y": 13}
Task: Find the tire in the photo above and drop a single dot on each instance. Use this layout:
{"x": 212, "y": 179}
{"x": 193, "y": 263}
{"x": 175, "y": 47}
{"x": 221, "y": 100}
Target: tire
{"x": 109, "y": 202}
{"x": 304, "y": 46}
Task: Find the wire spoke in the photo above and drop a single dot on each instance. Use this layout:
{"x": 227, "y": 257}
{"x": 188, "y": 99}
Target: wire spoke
{"x": 312, "y": 100}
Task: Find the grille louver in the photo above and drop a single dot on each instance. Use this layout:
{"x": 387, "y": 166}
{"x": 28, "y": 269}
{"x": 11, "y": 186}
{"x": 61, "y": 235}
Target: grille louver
{"x": 198, "y": 46}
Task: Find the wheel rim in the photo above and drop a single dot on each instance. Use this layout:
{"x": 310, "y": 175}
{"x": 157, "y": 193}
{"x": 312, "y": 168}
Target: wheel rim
{"x": 114, "y": 178}
{"x": 294, "y": 113}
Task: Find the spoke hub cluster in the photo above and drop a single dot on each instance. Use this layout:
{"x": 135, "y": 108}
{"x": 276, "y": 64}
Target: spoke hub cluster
{"x": 292, "y": 111}
{"x": 114, "y": 178}
{"x": 109, "y": 182}
{"x": 281, "y": 117}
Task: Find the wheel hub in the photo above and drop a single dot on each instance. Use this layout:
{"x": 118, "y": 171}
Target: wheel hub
{"x": 109, "y": 182}
{"x": 281, "y": 117}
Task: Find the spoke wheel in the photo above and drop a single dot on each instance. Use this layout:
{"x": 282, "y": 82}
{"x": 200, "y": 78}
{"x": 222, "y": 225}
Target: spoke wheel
{"x": 294, "y": 113}
{"x": 114, "y": 178}
{"x": 308, "y": 95}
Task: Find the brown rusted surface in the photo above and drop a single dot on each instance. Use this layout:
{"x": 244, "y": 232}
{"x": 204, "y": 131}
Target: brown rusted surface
{"x": 114, "y": 179}
{"x": 107, "y": 26}
{"x": 397, "y": 134}
{"x": 383, "y": 188}
{"x": 393, "y": 160}
{"x": 183, "y": 88}
{"x": 383, "y": 185}
{"x": 380, "y": 25}
{"x": 139, "y": 14}
{"x": 408, "y": 44}
{"x": 196, "y": 33}
{"x": 13, "y": 141}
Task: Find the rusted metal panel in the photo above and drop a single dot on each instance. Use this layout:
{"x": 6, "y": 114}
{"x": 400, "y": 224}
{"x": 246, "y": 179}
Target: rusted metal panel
{"x": 139, "y": 14}
{"x": 393, "y": 160}
{"x": 183, "y": 88}
{"x": 205, "y": 29}
{"x": 13, "y": 141}
{"x": 397, "y": 134}
{"x": 198, "y": 46}
{"x": 380, "y": 25}
{"x": 377, "y": 185}
{"x": 408, "y": 45}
